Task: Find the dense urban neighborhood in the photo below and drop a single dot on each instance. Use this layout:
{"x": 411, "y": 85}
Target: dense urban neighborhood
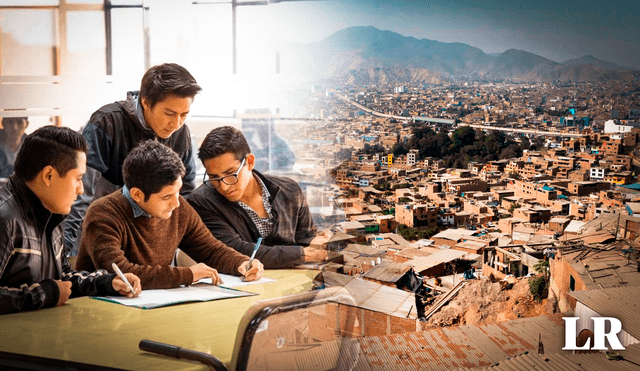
{"x": 506, "y": 201}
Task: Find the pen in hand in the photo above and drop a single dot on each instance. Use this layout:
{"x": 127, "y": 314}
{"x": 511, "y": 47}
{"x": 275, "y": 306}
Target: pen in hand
{"x": 253, "y": 254}
{"x": 122, "y": 277}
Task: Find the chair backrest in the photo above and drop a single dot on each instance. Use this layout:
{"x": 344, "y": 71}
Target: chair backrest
{"x": 297, "y": 331}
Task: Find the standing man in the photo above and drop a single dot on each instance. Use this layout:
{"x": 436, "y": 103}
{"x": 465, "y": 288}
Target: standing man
{"x": 140, "y": 227}
{"x": 157, "y": 111}
{"x": 239, "y": 204}
{"x": 11, "y": 137}
{"x": 34, "y": 272}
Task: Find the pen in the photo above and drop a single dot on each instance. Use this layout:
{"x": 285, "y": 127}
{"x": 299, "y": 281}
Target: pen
{"x": 253, "y": 254}
{"x": 122, "y": 277}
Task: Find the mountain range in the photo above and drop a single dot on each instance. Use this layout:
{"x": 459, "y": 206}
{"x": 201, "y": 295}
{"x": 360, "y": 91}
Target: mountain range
{"x": 367, "y": 55}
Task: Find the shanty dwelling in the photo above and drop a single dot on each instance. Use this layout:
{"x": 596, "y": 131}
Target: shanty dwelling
{"x": 339, "y": 241}
{"x": 378, "y": 310}
{"x": 577, "y": 266}
{"x": 358, "y": 259}
{"x": 500, "y": 262}
{"x": 413, "y": 252}
{"x": 387, "y": 273}
{"x": 621, "y": 303}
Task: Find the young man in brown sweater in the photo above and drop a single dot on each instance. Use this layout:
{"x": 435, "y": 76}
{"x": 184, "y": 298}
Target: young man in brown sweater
{"x": 140, "y": 226}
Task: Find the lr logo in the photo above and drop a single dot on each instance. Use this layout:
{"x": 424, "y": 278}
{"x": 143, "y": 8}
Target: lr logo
{"x": 599, "y": 334}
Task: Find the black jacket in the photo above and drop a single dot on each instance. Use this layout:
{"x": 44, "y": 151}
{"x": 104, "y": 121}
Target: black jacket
{"x": 112, "y": 132}
{"x": 229, "y": 223}
{"x": 31, "y": 254}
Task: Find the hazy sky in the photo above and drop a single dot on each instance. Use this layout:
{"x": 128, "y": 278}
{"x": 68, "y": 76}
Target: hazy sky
{"x": 558, "y": 29}
{"x": 199, "y": 36}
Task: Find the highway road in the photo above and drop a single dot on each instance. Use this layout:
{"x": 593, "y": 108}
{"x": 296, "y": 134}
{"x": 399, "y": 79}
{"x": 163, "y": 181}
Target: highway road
{"x": 483, "y": 127}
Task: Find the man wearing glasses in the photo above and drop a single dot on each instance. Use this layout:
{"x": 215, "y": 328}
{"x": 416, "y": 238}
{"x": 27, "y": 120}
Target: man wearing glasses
{"x": 140, "y": 227}
{"x": 239, "y": 204}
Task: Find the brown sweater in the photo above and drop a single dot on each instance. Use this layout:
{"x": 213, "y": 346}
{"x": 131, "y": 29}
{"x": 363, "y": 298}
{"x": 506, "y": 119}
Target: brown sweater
{"x": 146, "y": 246}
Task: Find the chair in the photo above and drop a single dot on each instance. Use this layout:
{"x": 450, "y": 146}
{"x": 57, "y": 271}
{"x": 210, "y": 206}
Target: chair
{"x": 267, "y": 337}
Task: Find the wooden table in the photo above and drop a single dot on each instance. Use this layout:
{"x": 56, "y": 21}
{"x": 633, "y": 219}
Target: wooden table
{"x": 92, "y": 331}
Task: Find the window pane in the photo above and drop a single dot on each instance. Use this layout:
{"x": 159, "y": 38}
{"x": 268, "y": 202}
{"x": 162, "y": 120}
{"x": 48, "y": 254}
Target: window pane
{"x": 127, "y": 42}
{"x": 256, "y": 48}
{"x": 208, "y": 57}
{"x": 86, "y": 44}
{"x": 27, "y": 42}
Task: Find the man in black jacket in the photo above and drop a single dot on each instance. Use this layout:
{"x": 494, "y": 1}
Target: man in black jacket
{"x": 34, "y": 272}
{"x": 158, "y": 111}
{"x": 238, "y": 204}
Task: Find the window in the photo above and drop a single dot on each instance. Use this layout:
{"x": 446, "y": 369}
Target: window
{"x": 67, "y": 38}
{"x": 27, "y": 42}
{"x": 572, "y": 283}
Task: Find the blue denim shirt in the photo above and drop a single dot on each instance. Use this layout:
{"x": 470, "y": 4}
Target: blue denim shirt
{"x": 137, "y": 210}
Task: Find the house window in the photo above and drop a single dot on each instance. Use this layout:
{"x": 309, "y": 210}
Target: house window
{"x": 572, "y": 283}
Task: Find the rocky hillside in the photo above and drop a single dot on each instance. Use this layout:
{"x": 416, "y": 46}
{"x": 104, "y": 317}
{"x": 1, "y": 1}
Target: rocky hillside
{"x": 366, "y": 55}
{"x": 482, "y": 302}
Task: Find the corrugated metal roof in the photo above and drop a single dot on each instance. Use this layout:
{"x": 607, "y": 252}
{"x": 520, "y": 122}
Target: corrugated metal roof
{"x": 471, "y": 245}
{"x": 529, "y": 331}
{"x": 574, "y": 226}
{"x": 565, "y": 360}
{"x": 351, "y": 225}
{"x": 452, "y": 348}
{"x": 398, "y": 239}
{"x": 622, "y": 303}
{"x": 340, "y": 354}
{"x": 456, "y": 347}
{"x": 388, "y": 271}
{"x": 443, "y": 256}
{"x": 364, "y": 249}
{"x": 489, "y": 348}
{"x": 335, "y": 279}
{"x": 339, "y": 236}
{"x": 386, "y": 300}
{"x": 361, "y": 290}
{"x": 510, "y": 343}
{"x": 634, "y": 206}
{"x": 412, "y": 252}
{"x": 374, "y": 296}
{"x": 454, "y": 234}
{"x": 407, "y": 309}
{"x": 595, "y": 261}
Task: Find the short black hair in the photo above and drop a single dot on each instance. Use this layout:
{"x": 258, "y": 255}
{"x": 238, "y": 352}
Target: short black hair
{"x": 167, "y": 79}
{"x": 49, "y": 145}
{"x": 222, "y": 140}
{"x": 151, "y": 166}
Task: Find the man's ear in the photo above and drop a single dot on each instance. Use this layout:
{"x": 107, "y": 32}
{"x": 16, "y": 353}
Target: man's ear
{"x": 144, "y": 103}
{"x": 136, "y": 194}
{"x": 251, "y": 161}
{"x": 46, "y": 175}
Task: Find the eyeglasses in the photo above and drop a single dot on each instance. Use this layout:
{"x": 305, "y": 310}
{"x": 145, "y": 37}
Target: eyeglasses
{"x": 228, "y": 180}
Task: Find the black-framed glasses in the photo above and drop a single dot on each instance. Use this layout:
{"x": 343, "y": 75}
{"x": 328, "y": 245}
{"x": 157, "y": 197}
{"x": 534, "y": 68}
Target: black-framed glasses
{"x": 228, "y": 180}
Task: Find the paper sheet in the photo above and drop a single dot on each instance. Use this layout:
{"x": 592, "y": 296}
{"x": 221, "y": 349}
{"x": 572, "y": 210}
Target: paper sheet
{"x": 235, "y": 281}
{"x": 149, "y": 299}
{"x": 203, "y": 290}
